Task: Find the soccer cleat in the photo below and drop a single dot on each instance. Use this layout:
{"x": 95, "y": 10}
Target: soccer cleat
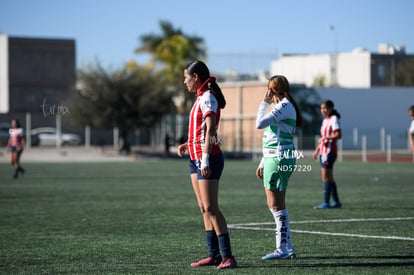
{"x": 323, "y": 205}
{"x": 292, "y": 254}
{"x": 277, "y": 255}
{"x": 21, "y": 170}
{"x": 208, "y": 261}
{"x": 336, "y": 205}
{"x": 230, "y": 263}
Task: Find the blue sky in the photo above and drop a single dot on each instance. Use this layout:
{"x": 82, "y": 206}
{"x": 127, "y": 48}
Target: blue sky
{"x": 241, "y": 35}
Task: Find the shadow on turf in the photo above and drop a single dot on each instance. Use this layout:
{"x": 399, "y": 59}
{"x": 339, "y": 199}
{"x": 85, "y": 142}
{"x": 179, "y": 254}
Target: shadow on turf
{"x": 299, "y": 262}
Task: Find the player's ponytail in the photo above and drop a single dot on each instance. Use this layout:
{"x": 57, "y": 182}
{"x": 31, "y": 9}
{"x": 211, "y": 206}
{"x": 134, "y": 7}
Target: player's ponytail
{"x": 217, "y": 92}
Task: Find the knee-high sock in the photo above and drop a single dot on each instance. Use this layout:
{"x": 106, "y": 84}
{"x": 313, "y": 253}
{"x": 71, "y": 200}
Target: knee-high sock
{"x": 212, "y": 243}
{"x": 334, "y": 192}
{"x": 327, "y": 192}
{"x": 224, "y": 242}
{"x": 282, "y": 229}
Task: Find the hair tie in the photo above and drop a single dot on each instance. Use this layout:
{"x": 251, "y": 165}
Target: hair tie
{"x": 208, "y": 82}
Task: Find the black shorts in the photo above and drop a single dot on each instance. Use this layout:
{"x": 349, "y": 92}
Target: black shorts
{"x": 327, "y": 160}
{"x": 15, "y": 149}
{"x": 216, "y": 164}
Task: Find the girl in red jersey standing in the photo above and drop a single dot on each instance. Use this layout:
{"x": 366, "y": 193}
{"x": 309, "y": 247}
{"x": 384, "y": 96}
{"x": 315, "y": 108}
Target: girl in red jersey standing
{"x": 15, "y": 145}
{"x": 207, "y": 162}
{"x": 327, "y": 150}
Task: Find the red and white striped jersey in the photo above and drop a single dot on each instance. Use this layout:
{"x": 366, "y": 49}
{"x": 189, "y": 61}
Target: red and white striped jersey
{"x": 16, "y": 134}
{"x": 329, "y": 126}
{"x": 205, "y": 104}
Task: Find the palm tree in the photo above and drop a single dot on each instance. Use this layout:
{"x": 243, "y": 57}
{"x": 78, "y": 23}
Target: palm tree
{"x": 173, "y": 49}
{"x": 150, "y": 42}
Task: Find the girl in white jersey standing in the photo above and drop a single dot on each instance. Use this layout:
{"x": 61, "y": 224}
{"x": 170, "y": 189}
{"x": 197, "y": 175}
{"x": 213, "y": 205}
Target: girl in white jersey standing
{"x": 327, "y": 150}
{"x": 15, "y": 145}
{"x": 278, "y": 159}
{"x": 207, "y": 162}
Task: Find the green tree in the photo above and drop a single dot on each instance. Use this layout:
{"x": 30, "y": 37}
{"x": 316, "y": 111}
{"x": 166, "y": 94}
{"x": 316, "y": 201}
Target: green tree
{"x": 404, "y": 75}
{"x": 173, "y": 49}
{"x": 309, "y": 104}
{"x": 133, "y": 97}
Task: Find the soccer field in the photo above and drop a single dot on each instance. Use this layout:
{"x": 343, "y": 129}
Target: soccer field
{"x": 142, "y": 218}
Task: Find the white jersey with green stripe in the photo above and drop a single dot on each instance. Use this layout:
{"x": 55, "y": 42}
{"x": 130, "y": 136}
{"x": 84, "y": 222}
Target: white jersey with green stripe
{"x": 279, "y": 125}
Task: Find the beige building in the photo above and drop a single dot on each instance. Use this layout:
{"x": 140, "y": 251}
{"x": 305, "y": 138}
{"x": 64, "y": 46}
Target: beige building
{"x": 237, "y": 128}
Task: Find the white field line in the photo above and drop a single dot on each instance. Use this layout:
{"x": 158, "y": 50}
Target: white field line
{"x": 357, "y": 220}
{"x": 354, "y": 235}
{"x": 254, "y": 226}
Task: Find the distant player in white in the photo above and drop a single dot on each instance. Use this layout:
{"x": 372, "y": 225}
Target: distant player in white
{"x": 411, "y": 131}
{"x": 327, "y": 150}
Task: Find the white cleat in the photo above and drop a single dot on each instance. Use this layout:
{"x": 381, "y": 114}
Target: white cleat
{"x": 277, "y": 255}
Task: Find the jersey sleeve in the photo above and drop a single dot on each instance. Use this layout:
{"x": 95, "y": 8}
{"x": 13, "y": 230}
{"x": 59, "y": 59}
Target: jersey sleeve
{"x": 208, "y": 104}
{"x": 412, "y": 127}
{"x": 20, "y": 132}
{"x": 336, "y": 124}
{"x": 263, "y": 120}
{"x": 280, "y": 112}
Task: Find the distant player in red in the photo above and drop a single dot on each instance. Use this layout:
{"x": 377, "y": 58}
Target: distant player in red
{"x": 411, "y": 130}
{"x": 327, "y": 150}
{"x": 15, "y": 145}
{"x": 207, "y": 162}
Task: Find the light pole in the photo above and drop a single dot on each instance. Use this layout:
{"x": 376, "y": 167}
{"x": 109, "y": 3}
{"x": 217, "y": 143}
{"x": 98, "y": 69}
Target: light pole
{"x": 334, "y": 57}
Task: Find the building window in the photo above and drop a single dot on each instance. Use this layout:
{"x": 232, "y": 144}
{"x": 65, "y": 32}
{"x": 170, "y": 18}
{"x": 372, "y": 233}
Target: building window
{"x": 381, "y": 71}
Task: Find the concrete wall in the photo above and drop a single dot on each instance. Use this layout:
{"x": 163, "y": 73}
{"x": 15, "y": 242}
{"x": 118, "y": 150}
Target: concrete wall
{"x": 303, "y": 68}
{"x": 4, "y": 74}
{"x": 353, "y": 70}
{"x": 369, "y": 110}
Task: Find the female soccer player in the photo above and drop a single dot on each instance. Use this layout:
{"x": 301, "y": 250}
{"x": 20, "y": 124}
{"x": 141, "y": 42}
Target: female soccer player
{"x": 327, "y": 150}
{"x": 411, "y": 131}
{"x": 278, "y": 159}
{"x": 15, "y": 145}
{"x": 207, "y": 162}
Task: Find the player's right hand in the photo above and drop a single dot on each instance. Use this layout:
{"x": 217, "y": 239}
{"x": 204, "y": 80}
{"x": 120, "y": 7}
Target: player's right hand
{"x": 259, "y": 172}
{"x": 181, "y": 149}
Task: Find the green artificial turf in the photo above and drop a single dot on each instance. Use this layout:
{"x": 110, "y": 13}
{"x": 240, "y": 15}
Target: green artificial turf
{"x": 142, "y": 218}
